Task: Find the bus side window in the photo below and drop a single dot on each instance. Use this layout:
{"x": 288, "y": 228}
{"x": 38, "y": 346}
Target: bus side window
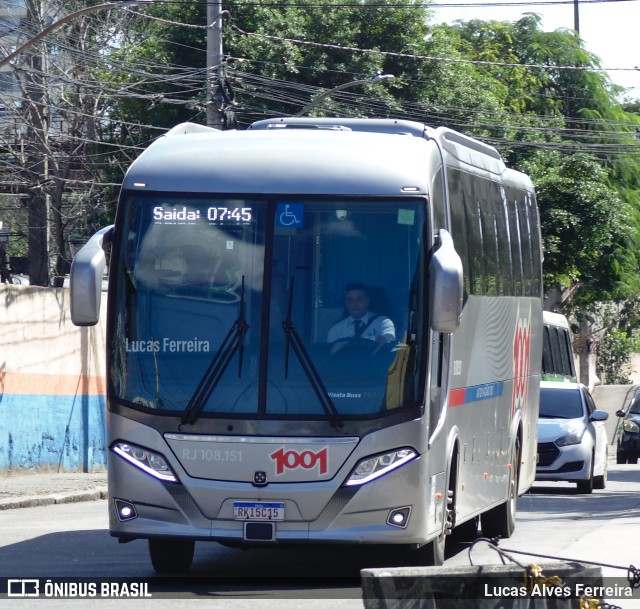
{"x": 516, "y": 244}
{"x": 565, "y": 352}
{"x": 458, "y": 223}
{"x": 438, "y": 202}
{"x": 547, "y": 357}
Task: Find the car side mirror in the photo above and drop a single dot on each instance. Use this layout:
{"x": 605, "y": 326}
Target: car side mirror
{"x": 619, "y": 413}
{"x": 599, "y": 415}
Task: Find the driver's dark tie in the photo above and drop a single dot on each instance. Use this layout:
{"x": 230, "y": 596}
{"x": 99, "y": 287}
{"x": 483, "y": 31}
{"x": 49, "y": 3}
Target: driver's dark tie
{"x": 359, "y": 327}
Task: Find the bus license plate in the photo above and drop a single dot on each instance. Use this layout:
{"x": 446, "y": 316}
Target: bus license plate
{"x": 258, "y": 511}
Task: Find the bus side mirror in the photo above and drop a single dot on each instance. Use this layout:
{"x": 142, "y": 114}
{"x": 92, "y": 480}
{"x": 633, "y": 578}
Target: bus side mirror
{"x": 445, "y": 286}
{"x": 86, "y": 279}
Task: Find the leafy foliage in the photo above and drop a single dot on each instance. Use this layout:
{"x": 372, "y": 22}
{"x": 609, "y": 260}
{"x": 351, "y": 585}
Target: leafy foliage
{"x": 507, "y": 83}
{"x": 620, "y": 337}
{"x": 588, "y": 231}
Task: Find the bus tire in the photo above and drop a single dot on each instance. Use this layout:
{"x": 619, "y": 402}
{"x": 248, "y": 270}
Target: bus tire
{"x": 500, "y": 521}
{"x": 467, "y": 531}
{"x": 432, "y": 554}
{"x": 171, "y": 555}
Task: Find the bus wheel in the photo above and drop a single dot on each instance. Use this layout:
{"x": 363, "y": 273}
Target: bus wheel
{"x": 171, "y": 555}
{"x": 500, "y": 521}
{"x": 467, "y": 531}
{"x": 432, "y": 553}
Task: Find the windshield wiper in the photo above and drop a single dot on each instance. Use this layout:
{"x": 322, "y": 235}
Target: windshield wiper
{"x": 233, "y": 341}
{"x": 294, "y": 341}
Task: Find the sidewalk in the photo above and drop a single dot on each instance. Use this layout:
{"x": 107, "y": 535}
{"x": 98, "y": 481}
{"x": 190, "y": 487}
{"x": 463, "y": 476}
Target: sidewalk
{"x": 32, "y": 489}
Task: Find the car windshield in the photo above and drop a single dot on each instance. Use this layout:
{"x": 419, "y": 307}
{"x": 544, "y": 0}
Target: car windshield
{"x": 635, "y": 407}
{"x": 560, "y": 403}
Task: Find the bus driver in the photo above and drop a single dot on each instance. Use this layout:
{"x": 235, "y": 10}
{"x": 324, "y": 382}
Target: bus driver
{"x": 360, "y": 322}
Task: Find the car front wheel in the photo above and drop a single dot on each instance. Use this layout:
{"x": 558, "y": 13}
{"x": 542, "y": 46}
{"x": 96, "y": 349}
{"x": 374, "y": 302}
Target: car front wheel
{"x": 585, "y": 487}
{"x": 600, "y": 482}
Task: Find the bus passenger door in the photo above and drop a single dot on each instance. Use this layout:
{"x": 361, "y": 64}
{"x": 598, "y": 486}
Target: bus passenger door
{"x": 439, "y": 344}
{"x": 437, "y": 456}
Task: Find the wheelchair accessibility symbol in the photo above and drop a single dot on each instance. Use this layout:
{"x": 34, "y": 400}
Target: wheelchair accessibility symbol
{"x": 289, "y": 215}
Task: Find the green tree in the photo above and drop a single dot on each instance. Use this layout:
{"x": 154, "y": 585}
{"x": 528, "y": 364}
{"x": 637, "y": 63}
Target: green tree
{"x": 49, "y": 99}
{"x": 588, "y": 231}
{"x": 581, "y": 151}
{"x": 619, "y": 338}
{"x": 504, "y": 82}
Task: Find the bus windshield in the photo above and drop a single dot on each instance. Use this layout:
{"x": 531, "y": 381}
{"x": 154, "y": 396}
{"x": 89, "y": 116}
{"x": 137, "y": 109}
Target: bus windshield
{"x": 269, "y": 307}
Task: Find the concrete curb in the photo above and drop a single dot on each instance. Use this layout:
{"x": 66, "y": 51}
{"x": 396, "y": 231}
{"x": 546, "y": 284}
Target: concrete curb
{"x": 57, "y": 498}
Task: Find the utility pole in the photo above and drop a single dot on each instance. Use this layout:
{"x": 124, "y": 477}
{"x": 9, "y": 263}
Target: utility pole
{"x": 38, "y": 143}
{"x": 214, "y": 64}
{"x": 576, "y": 17}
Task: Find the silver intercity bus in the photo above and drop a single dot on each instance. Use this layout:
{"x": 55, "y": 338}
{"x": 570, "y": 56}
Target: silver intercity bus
{"x": 239, "y": 412}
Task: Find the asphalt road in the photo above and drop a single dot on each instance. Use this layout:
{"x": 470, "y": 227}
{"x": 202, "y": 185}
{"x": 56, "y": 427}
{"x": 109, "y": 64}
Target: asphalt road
{"x": 72, "y": 541}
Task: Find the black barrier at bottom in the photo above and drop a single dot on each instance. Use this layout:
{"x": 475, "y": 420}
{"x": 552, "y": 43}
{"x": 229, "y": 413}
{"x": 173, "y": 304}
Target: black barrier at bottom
{"x": 554, "y": 586}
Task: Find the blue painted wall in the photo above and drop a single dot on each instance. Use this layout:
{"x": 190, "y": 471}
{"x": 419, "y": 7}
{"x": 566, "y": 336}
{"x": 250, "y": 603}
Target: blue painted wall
{"x": 52, "y": 432}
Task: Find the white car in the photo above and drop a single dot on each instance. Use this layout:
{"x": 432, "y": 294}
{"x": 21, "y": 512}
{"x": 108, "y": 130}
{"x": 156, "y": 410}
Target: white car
{"x": 572, "y": 440}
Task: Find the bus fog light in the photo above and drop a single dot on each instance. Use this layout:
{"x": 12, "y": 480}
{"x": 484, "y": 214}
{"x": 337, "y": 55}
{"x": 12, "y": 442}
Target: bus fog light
{"x": 373, "y": 467}
{"x": 148, "y": 461}
{"x": 399, "y": 517}
{"x": 125, "y": 510}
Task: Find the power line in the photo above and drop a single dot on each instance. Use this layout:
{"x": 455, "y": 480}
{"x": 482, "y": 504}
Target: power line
{"x": 336, "y": 47}
{"x": 417, "y": 5}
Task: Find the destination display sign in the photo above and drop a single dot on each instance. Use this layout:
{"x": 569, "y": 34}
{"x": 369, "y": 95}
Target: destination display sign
{"x": 219, "y": 215}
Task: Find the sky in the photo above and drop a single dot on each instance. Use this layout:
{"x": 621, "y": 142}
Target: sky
{"x": 610, "y": 30}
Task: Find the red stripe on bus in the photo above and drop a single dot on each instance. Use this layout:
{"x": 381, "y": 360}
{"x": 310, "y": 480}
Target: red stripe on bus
{"x": 457, "y": 397}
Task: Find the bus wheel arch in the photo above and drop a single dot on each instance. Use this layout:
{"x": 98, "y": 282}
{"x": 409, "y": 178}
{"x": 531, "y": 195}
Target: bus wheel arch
{"x": 458, "y": 531}
{"x": 432, "y": 554}
{"x": 500, "y": 521}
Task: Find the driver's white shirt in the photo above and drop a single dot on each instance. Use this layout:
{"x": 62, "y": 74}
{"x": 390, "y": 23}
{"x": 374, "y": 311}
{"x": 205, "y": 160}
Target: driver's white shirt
{"x": 381, "y": 326}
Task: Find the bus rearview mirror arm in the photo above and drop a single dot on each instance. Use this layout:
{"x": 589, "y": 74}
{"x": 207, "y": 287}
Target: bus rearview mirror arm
{"x": 86, "y": 279}
{"x": 445, "y": 286}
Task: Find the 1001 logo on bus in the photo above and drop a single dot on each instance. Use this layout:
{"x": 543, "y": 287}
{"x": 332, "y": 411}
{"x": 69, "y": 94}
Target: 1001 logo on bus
{"x": 521, "y": 364}
{"x": 307, "y": 459}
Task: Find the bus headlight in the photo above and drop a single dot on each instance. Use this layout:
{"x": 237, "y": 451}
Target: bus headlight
{"x": 148, "y": 461}
{"x": 373, "y": 467}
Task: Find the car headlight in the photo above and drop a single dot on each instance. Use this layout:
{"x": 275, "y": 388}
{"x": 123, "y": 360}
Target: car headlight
{"x": 148, "y": 461}
{"x": 630, "y": 426}
{"x": 573, "y": 437}
{"x": 373, "y": 467}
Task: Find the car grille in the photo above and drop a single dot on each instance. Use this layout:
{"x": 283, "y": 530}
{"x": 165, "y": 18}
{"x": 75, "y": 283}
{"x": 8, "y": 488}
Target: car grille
{"x": 547, "y": 453}
{"x": 572, "y": 466}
